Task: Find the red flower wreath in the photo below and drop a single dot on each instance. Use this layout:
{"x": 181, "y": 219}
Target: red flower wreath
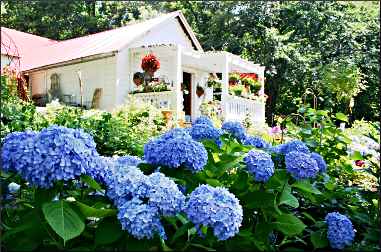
{"x": 150, "y": 62}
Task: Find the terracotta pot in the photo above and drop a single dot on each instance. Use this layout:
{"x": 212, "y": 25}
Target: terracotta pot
{"x": 150, "y": 72}
{"x": 167, "y": 114}
{"x": 199, "y": 93}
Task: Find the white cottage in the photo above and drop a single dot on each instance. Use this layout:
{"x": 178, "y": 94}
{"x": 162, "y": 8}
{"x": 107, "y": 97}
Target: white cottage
{"x": 108, "y": 60}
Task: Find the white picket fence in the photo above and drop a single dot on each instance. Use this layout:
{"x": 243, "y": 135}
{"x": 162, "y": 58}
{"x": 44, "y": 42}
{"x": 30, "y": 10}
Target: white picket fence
{"x": 238, "y": 107}
{"x": 161, "y": 100}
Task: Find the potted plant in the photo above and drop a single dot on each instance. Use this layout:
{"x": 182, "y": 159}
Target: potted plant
{"x": 236, "y": 89}
{"x": 233, "y": 78}
{"x": 247, "y": 82}
{"x": 150, "y": 64}
{"x": 255, "y": 86}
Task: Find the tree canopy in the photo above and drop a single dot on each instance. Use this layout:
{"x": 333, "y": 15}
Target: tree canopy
{"x": 304, "y": 45}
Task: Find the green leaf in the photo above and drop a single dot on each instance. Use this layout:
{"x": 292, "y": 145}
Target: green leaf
{"x": 341, "y": 117}
{"x": 289, "y": 224}
{"x": 213, "y": 182}
{"x": 108, "y": 231}
{"x": 259, "y": 199}
{"x": 22, "y": 243}
{"x": 164, "y": 246}
{"x": 63, "y": 219}
{"x": 308, "y": 216}
{"x": 306, "y": 186}
{"x": 202, "y": 246}
{"x": 277, "y": 181}
{"x": 357, "y": 156}
{"x": 330, "y": 185}
{"x": 42, "y": 196}
{"x": 181, "y": 231}
{"x": 319, "y": 239}
{"x": 287, "y": 198}
{"x": 241, "y": 183}
{"x": 89, "y": 211}
{"x": 91, "y": 182}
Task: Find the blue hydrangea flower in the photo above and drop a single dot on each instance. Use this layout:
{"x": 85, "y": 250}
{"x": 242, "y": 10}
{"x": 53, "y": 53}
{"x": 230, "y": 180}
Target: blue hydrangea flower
{"x": 16, "y": 151}
{"x": 301, "y": 165}
{"x": 140, "y": 220}
{"x": 164, "y": 194}
{"x": 176, "y": 148}
{"x": 294, "y": 145}
{"x": 128, "y": 160}
{"x": 125, "y": 183}
{"x": 256, "y": 141}
{"x": 56, "y": 153}
{"x": 217, "y": 208}
{"x": 203, "y": 120}
{"x": 260, "y": 165}
{"x": 204, "y": 132}
{"x": 176, "y": 132}
{"x": 320, "y": 161}
{"x": 340, "y": 230}
{"x": 142, "y": 200}
{"x": 235, "y": 129}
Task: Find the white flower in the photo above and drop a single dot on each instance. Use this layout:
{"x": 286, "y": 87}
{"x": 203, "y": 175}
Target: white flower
{"x": 13, "y": 187}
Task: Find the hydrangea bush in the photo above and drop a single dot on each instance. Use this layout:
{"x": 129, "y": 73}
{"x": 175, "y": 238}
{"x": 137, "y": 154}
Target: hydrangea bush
{"x": 183, "y": 194}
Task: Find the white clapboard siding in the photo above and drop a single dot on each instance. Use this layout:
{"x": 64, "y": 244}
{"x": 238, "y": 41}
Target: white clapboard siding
{"x": 95, "y": 74}
{"x": 169, "y": 32}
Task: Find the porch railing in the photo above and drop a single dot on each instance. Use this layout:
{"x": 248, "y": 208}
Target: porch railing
{"x": 237, "y": 109}
{"x": 161, "y": 100}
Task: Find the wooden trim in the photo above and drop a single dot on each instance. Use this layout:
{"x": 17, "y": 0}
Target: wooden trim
{"x": 72, "y": 62}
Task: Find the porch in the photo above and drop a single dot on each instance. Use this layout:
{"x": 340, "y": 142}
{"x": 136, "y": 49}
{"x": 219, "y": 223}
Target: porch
{"x": 186, "y": 69}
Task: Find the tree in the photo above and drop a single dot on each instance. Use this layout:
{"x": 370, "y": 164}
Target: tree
{"x": 294, "y": 40}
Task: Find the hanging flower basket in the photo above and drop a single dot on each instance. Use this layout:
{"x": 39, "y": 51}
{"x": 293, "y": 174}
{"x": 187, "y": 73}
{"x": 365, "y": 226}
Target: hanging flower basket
{"x": 150, "y": 64}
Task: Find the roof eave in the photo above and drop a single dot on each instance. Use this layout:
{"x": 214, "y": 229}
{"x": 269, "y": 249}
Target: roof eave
{"x": 72, "y": 62}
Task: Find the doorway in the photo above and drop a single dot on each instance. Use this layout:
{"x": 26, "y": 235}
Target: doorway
{"x": 187, "y": 95}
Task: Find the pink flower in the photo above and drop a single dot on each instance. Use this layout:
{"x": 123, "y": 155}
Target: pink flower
{"x": 275, "y": 130}
{"x": 360, "y": 163}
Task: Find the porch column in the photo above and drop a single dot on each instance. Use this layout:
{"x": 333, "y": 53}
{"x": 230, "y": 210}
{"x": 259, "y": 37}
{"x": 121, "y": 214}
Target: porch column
{"x": 177, "y": 83}
{"x": 261, "y": 77}
{"x": 225, "y": 84}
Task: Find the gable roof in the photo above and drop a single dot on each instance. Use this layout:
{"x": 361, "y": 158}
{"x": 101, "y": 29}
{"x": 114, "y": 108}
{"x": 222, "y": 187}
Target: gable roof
{"x": 16, "y": 43}
{"x": 99, "y": 43}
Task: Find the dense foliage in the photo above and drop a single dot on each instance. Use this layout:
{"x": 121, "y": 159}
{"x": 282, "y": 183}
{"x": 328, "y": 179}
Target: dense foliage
{"x": 123, "y": 131}
{"x": 75, "y": 179}
{"x": 268, "y": 198}
{"x": 301, "y": 43}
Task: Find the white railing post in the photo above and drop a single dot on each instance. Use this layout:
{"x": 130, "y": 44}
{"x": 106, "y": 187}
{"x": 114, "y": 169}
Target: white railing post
{"x": 225, "y": 85}
{"x": 261, "y": 77}
{"x": 177, "y": 82}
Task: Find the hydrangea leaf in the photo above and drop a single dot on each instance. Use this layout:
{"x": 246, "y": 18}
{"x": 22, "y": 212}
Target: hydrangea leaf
{"x": 91, "y": 182}
{"x": 306, "y": 186}
{"x": 258, "y": 199}
{"x": 63, "y": 219}
{"x": 289, "y": 224}
{"x": 287, "y": 198}
{"x": 276, "y": 181}
{"x": 108, "y": 231}
{"x": 319, "y": 239}
{"x": 181, "y": 231}
{"x": 213, "y": 182}
{"x": 89, "y": 211}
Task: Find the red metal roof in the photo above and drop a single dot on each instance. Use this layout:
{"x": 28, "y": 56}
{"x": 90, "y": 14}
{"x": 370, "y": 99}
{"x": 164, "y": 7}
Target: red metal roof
{"x": 17, "y": 43}
{"x": 37, "y": 51}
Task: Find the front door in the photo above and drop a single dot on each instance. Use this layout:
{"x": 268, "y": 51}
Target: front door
{"x": 187, "y": 95}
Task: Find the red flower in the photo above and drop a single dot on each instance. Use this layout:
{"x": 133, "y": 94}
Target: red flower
{"x": 360, "y": 163}
{"x": 150, "y": 62}
{"x": 253, "y": 76}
